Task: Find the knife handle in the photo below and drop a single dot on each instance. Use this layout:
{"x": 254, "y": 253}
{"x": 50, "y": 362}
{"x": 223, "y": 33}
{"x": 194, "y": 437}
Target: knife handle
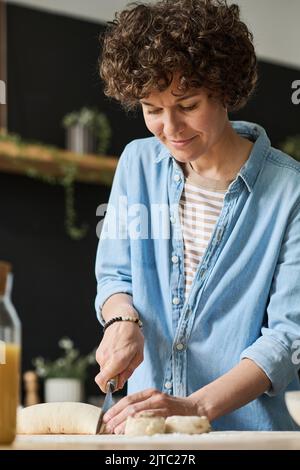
{"x": 113, "y": 383}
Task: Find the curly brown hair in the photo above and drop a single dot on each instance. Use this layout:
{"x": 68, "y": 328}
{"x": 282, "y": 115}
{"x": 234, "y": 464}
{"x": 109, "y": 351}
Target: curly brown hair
{"x": 203, "y": 40}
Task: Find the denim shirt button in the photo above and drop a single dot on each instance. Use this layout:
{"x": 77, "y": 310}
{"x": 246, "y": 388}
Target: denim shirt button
{"x": 175, "y": 259}
{"x": 172, "y": 220}
{"x": 179, "y": 346}
{"x": 176, "y": 300}
{"x": 168, "y": 385}
{"x": 177, "y": 178}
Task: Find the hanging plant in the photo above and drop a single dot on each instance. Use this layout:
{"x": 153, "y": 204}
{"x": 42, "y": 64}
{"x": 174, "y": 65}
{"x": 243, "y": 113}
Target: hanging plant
{"x": 66, "y": 180}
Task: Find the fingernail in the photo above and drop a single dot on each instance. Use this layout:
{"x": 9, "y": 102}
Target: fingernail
{"x": 106, "y": 418}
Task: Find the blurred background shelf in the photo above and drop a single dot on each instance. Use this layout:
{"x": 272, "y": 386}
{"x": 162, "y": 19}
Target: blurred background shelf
{"x": 26, "y": 159}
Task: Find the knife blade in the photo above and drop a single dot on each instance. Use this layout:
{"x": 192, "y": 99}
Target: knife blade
{"x": 108, "y": 401}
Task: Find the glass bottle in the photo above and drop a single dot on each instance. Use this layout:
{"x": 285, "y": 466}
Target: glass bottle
{"x": 10, "y": 351}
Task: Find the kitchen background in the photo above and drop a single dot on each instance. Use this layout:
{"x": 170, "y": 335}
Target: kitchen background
{"x": 49, "y": 52}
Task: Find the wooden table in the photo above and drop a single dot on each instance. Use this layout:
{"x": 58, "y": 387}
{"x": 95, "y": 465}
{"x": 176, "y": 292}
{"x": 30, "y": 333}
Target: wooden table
{"x": 229, "y": 440}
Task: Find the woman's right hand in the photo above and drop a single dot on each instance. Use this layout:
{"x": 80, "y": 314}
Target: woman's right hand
{"x": 120, "y": 352}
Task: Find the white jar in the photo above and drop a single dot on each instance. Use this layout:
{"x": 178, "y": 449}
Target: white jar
{"x": 63, "y": 390}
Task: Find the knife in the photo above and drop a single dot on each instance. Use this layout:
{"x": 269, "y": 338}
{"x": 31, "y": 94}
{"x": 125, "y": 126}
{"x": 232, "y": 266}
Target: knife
{"x": 108, "y": 401}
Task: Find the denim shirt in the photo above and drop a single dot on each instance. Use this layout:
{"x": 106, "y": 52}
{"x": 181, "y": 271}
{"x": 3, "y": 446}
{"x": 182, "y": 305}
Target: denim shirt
{"x": 245, "y": 298}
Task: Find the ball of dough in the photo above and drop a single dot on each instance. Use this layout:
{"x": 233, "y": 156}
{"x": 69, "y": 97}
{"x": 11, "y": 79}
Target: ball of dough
{"x": 146, "y": 424}
{"x": 58, "y": 418}
{"x": 187, "y": 424}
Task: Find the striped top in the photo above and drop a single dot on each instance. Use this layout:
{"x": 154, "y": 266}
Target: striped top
{"x": 199, "y": 209}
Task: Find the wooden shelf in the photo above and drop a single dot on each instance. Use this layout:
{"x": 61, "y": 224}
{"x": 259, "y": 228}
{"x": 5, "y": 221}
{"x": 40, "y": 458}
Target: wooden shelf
{"x": 26, "y": 159}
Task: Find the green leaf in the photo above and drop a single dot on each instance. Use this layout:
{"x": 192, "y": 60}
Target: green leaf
{"x": 70, "y": 365}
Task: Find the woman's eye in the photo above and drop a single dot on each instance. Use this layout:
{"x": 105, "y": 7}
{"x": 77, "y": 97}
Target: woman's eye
{"x": 188, "y": 108}
{"x": 154, "y": 112}
{"x": 183, "y": 108}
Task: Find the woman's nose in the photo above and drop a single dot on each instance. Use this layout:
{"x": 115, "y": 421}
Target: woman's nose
{"x": 173, "y": 126}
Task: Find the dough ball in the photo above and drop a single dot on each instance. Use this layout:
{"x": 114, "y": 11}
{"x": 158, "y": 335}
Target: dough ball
{"x": 187, "y": 424}
{"x": 58, "y": 418}
{"x": 146, "y": 424}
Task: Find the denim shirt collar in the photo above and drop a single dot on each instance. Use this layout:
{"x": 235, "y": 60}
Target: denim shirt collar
{"x": 253, "y": 165}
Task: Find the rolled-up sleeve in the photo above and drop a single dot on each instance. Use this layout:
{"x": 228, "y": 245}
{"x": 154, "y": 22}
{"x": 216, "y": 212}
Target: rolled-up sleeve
{"x": 113, "y": 265}
{"x": 274, "y": 350}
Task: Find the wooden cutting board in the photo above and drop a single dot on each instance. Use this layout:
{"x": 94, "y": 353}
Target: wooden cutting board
{"x": 215, "y": 440}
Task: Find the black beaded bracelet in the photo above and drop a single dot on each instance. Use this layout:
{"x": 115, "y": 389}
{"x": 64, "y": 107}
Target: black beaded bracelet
{"x": 113, "y": 320}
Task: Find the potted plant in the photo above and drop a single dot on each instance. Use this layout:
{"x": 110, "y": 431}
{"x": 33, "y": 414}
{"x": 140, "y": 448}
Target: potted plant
{"x": 88, "y": 131}
{"x": 65, "y": 376}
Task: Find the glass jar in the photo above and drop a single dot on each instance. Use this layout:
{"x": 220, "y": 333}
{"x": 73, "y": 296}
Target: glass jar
{"x": 10, "y": 351}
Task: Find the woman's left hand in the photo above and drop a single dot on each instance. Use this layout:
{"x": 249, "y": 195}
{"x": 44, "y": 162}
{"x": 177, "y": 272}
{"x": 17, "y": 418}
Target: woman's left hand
{"x": 160, "y": 403}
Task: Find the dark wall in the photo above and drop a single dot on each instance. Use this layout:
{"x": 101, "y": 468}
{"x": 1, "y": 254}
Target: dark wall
{"x": 54, "y": 283}
{"x": 271, "y": 106}
{"x": 52, "y": 70}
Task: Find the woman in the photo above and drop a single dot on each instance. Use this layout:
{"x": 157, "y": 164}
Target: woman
{"x": 215, "y": 278}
